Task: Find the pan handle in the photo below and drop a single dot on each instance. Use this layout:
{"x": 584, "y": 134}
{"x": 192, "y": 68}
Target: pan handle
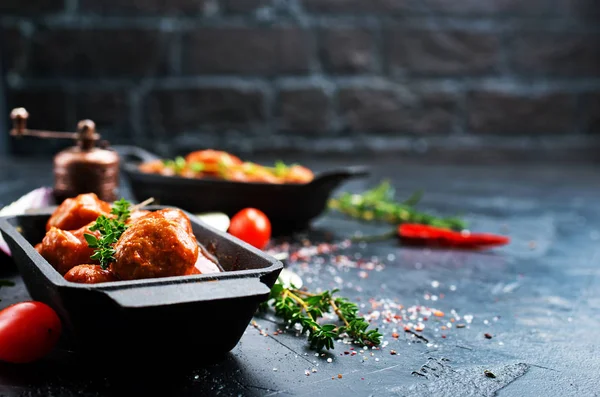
{"x": 186, "y": 292}
{"x": 336, "y": 176}
{"x": 134, "y": 153}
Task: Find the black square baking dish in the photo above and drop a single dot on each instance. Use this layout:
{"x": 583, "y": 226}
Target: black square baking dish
{"x": 178, "y": 318}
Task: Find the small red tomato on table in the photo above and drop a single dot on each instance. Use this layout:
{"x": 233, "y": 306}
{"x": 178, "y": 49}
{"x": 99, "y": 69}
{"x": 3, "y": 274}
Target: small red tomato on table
{"x": 28, "y": 331}
{"x": 252, "y": 226}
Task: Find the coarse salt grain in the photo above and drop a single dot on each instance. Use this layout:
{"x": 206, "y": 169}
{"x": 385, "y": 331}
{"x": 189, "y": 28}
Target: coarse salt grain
{"x": 329, "y": 360}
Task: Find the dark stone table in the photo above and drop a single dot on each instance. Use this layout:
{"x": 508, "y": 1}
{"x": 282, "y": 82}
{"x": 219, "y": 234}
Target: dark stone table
{"x": 538, "y": 298}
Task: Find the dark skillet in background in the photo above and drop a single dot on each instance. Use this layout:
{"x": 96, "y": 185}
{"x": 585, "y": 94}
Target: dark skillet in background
{"x": 180, "y": 319}
{"x": 290, "y": 207}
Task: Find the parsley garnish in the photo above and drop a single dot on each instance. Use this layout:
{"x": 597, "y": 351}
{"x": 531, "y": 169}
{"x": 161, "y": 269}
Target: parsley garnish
{"x": 110, "y": 230}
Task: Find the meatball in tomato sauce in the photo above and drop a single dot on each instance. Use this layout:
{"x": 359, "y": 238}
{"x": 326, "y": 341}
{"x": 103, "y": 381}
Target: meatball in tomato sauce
{"x": 65, "y": 249}
{"x": 175, "y": 215}
{"x": 76, "y": 212}
{"x": 89, "y": 274}
{"x": 154, "y": 246}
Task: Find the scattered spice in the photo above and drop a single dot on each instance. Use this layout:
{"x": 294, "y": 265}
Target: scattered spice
{"x": 489, "y": 374}
{"x": 460, "y": 325}
{"x": 487, "y": 336}
{"x": 393, "y": 352}
{"x": 339, "y": 376}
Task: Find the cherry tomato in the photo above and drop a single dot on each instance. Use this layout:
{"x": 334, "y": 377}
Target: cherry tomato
{"x": 28, "y": 331}
{"x": 252, "y": 226}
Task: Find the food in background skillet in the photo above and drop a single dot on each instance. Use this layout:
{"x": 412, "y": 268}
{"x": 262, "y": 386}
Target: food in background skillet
{"x": 222, "y": 165}
{"x": 123, "y": 243}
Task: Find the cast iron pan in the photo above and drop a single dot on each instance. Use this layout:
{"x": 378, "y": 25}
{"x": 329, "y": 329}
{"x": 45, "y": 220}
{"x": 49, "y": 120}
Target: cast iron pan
{"x": 174, "y": 318}
{"x": 290, "y": 207}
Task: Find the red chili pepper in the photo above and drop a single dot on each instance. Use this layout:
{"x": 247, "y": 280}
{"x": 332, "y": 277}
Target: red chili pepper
{"x": 429, "y": 235}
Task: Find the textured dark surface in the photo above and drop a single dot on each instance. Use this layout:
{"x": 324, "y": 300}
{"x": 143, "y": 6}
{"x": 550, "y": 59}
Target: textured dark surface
{"x": 539, "y": 298}
{"x": 306, "y": 75}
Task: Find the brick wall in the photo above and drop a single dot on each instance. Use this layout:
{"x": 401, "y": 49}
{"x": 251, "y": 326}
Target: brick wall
{"x": 321, "y": 74}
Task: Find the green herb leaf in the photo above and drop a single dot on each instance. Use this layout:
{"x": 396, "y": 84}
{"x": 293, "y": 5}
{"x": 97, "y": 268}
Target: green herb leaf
{"x": 121, "y": 209}
{"x": 110, "y": 231}
{"x": 177, "y": 165}
{"x": 197, "y": 167}
{"x": 91, "y": 240}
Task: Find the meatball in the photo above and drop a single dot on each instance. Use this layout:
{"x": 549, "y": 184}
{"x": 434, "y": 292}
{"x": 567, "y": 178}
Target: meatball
{"x": 65, "y": 249}
{"x": 89, "y": 274}
{"x": 154, "y": 247}
{"x": 192, "y": 271}
{"x": 76, "y": 212}
{"x": 174, "y": 215}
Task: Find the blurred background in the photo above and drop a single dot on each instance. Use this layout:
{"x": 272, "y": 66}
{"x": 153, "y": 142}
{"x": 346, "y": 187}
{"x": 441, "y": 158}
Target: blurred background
{"x": 470, "y": 79}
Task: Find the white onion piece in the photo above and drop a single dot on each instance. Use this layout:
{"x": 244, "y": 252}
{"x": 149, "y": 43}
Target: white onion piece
{"x": 289, "y": 279}
{"x": 205, "y": 265}
{"x": 217, "y": 220}
{"x": 38, "y": 198}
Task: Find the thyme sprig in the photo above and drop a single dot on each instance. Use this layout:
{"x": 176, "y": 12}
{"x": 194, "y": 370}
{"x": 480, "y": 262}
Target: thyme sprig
{"x": 301, "y": 307}
{"x": 379, "y": 204}
{"x": 110, "y": 230}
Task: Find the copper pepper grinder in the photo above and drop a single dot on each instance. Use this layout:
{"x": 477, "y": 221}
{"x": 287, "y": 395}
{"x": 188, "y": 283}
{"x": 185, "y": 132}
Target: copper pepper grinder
{"x": 85, "y": 168}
